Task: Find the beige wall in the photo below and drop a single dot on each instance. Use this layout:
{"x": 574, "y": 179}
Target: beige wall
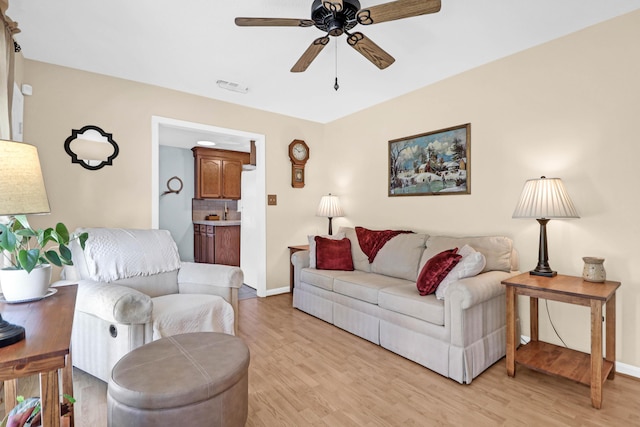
{"x": 120, "y": 195}
{"x": 567, "y": 109}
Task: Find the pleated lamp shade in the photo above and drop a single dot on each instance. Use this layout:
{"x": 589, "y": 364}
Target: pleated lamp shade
{"x": 545, "y": 198}
{"x": 22, "y": 188}
{"x": 330, "y": 207}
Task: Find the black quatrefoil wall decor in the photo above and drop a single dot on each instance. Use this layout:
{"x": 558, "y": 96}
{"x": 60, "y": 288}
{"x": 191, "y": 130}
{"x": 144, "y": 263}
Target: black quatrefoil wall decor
{"x": 91, "y": 147}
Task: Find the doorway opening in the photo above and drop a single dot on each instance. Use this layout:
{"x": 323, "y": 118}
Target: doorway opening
{"x": 172, "y": 134}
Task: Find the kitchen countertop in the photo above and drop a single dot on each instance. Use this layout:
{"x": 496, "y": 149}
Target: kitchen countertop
{"x": 219, "y": 223}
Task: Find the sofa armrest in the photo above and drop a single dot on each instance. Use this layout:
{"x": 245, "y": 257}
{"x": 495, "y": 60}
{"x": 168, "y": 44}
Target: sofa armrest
{"x": 474, "y": 290}
{"x": 200, "y": 274}
{"x": 475, "y": 307}
{"x": 299, "y": 260}
{"x": 113, "y": 303}
{"x": 212, "y": 279}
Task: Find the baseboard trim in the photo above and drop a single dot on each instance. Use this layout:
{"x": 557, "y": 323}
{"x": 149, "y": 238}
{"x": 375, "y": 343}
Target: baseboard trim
{"x": 630, "y": 370}
{"x": 277, "y": 291}
{"x": 622, "y": 368}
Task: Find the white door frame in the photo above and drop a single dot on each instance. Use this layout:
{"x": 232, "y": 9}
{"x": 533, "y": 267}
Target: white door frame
{"x": 253, "y": 247}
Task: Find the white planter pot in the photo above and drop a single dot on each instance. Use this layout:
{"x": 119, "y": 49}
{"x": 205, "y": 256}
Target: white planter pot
{"x": 18, "y": 285}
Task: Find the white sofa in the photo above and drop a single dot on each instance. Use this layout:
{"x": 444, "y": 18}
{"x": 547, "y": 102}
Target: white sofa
{"x": 458, "y": 337}
{"x": 133, "y": 289}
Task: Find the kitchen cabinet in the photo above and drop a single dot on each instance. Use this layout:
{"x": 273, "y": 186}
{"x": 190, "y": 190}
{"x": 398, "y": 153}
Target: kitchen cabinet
{"x": 227, "y": 244}
{"x": 216, "y": 244}
{"x": 204, "y": 249}
{"x": 218, "y": 173}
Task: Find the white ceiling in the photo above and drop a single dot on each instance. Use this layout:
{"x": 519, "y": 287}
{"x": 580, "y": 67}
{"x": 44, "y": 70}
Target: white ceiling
{"x": 185, "y": 136}
{"x": 188, "y": 45}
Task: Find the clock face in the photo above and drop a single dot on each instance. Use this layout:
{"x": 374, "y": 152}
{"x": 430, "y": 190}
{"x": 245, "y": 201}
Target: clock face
{"x": 299, "y": 151}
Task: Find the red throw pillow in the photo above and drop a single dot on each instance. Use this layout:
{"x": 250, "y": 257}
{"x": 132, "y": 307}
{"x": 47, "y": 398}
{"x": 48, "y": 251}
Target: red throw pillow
{"x": 437, "y": 269}
{"x": 333, "y": 254}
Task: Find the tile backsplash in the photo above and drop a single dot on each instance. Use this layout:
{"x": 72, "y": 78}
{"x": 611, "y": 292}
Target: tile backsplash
{"x": 200, "y": 208}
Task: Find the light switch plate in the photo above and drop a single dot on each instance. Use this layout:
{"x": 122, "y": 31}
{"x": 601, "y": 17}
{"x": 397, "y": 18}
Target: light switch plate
{"x": 272, "y": 199}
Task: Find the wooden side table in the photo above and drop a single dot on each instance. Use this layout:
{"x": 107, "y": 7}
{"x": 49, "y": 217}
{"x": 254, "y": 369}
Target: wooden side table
{"x": 45, "y": 350}
{"x": 591, "y": 370}
{"x": 293, "y": 250}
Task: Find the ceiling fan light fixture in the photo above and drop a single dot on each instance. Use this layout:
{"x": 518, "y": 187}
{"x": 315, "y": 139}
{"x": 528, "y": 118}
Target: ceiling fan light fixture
{"x": 336, "y": 22}
{"x": 338, "y": 17}
{"x": 232, "y": 86}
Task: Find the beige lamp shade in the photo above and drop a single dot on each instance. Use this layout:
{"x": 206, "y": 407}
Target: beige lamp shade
{"x": 545, "y": 198}
{"x": 330, "y": 207}
{"x": 22, "y": 188}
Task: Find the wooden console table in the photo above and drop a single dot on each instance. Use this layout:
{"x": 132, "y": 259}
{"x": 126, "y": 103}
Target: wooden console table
{"x": 293, "y": 250}
{"x": 45, "y": 350}
{"x": 591, "y": 370}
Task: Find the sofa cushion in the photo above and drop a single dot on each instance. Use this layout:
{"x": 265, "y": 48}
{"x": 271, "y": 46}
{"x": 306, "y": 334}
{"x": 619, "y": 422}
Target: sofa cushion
{"x": 184, "y": 313}
{"x": 332, "y": 254}
{"x": 496, "y": 249}
{"x": 312, "y": 246}
{"x": 364, "y": 286}
{"x": 360, "y": 260}
{"x": 436, "y": 269}
{"x": 321, "y": 278}
{"x": 400, "y": 256}
{"x": 405, "y": 299}
{"x": 155, "y": 285}
{"x": 471, "y": 264}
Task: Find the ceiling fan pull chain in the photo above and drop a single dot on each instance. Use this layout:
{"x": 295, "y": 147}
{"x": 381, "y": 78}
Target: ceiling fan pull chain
{"x": 336, "y": 86}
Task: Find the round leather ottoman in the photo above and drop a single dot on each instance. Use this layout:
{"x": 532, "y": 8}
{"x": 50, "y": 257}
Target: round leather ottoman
{"x": 197, "y": 379}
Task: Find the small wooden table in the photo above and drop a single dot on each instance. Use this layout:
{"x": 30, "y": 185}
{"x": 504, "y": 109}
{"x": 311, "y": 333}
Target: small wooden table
{"x": 45, "y": 350}
{"x": 293, "y": 250}
{"x": 591, "y": 370}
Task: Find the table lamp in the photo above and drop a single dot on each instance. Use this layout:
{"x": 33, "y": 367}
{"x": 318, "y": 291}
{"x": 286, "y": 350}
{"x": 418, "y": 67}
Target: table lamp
{"x": 544, "y": 199}
{"x": 330, "y": 207}
{"x": 22, "y": 191}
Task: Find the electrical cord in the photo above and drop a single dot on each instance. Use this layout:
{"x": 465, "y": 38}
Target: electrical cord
{"x": 546, "y": 303}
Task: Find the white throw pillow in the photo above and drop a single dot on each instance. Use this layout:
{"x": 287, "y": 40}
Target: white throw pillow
{"x": 312, "y": 246}
{"x": 471, "y": 263}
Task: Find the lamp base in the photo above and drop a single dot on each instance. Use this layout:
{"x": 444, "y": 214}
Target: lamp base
{"x": 9, "y": 333}
{"x": 543, "y": 273}
{"x": 543, "y": 269}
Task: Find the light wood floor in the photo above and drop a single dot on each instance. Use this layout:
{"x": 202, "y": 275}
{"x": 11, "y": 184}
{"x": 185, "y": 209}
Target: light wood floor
{"x": 305, "y": 372}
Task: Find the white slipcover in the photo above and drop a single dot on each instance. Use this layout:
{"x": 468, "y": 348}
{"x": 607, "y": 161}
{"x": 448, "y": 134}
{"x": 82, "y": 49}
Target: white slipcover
{"x": 133, "y": 289}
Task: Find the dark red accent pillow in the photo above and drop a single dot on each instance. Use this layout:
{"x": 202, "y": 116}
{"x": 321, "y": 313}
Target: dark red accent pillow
{"x": 333, "y": 254}
{"x": 436, "y": 269}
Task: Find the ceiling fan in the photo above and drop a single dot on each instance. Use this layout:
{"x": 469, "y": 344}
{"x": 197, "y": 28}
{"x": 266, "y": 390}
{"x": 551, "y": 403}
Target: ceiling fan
{"x": 337, "y": 17}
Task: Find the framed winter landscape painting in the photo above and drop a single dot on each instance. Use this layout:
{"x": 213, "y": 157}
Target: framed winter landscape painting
{"x": 433, "y": 163}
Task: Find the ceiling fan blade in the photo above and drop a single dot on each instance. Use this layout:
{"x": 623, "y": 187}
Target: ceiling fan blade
{"x": 370, "y": 50}
{"x": 397, "y": 10}
{"x": 274, "y": 22}
{"x": 333, "y": 5}
{"x": 310, "y": 54}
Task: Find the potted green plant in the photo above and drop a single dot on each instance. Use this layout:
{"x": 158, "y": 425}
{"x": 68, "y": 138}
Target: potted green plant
{"x": 31, "y": 253}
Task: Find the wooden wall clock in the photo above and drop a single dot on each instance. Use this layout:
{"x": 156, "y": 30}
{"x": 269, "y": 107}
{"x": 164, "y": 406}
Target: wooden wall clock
{"x": 299, "y": 154}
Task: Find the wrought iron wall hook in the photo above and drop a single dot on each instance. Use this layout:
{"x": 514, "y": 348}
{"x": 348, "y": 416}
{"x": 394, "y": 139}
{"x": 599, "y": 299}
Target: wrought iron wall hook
{"x": 171, "y": 190}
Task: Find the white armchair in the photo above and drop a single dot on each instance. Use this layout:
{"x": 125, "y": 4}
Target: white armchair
{"x": 133, "y": 289}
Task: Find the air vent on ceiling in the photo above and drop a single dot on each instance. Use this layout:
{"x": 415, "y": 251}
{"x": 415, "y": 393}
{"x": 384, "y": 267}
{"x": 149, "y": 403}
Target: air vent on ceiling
{"x": 232, "y": 86}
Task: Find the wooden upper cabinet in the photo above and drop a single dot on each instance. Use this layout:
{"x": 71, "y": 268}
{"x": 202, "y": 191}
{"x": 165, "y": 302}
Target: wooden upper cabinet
{"x": 208, "y": 178}
{"x": 231, "y": 184}
{"x": 218, "y": 173}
